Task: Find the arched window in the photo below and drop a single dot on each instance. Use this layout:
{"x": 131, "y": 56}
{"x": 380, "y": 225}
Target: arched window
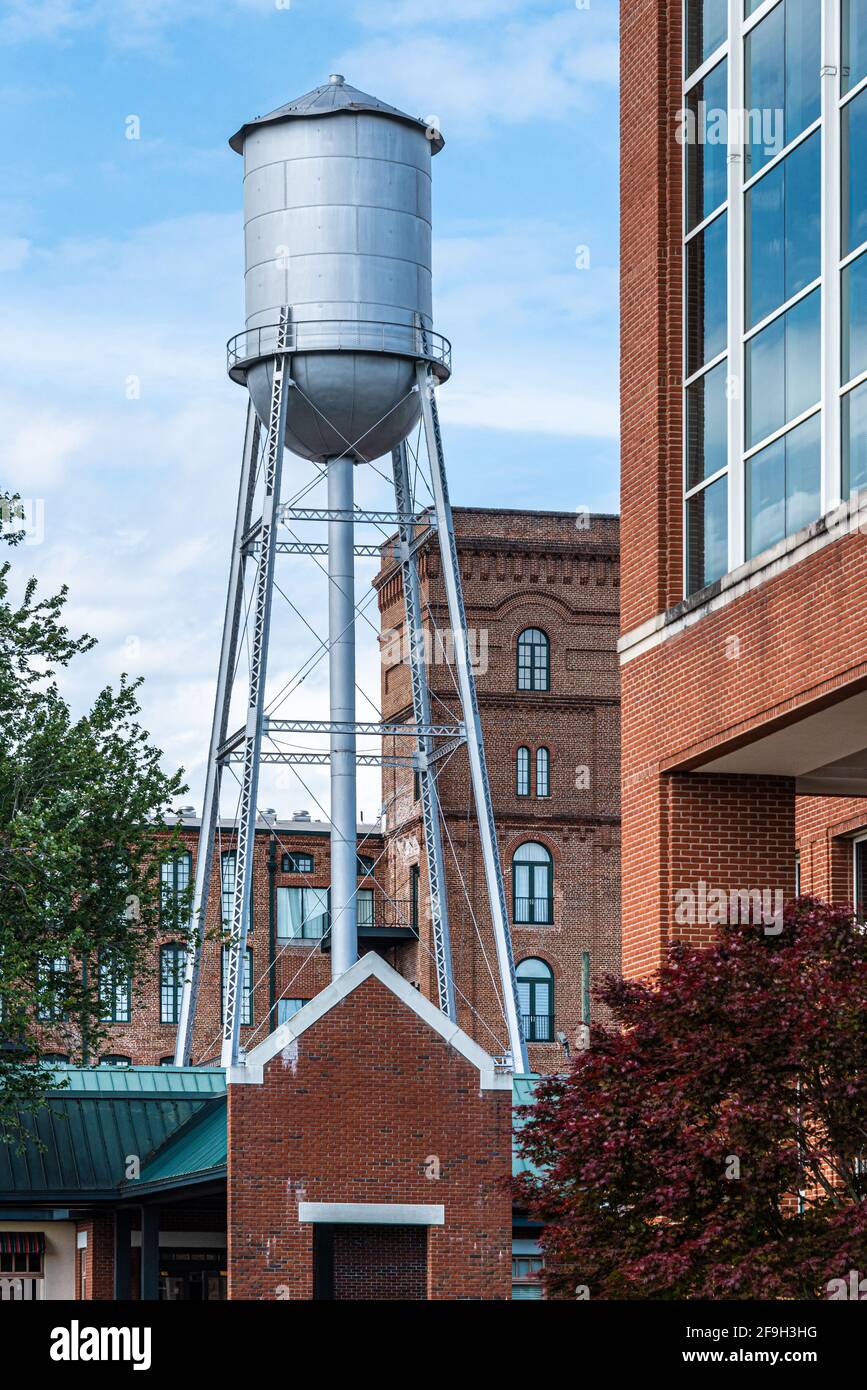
{"x": 532, "y": 885}
{"x": 543, "y": 772}
{"x": 172, "y": 962}
{"x": 534, "y": 660}
{"x": 297, "y": 863}
{"x": 522, "y": 772}
{"x": 536, "y": 1000}
{"x": 114, "y": 1059}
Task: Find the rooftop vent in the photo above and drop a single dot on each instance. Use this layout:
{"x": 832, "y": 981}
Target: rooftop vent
{"x": 300, "y": 815}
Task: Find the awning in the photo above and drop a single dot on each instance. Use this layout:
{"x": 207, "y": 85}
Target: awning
{"x": 22, "y": 1242}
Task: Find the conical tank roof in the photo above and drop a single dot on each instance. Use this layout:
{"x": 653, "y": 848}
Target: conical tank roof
{"x": 330, "y": 99}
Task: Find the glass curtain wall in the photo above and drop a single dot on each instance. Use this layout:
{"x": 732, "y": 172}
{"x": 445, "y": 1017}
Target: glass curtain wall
{"x": 774, "y": 130}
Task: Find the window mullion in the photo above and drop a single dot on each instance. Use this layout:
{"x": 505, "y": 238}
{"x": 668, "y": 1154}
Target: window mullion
{"x": 736, "y": 281}
{"x": 830, "y": 339}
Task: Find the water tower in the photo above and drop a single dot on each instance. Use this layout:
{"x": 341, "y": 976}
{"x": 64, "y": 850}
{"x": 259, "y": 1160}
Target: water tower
{"x": 341, "y": 361}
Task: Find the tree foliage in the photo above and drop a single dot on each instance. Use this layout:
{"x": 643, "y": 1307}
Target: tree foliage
{"x": 83, "y": 803}
{"x": 711, "y": 1143}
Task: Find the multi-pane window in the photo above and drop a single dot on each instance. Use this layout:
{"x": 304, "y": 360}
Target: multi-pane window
{"x": 52, "y": 980}
{"x": 782, "y": 63}
{"x": 115, "y": 990}
{"x": 297, "y": 863}
{"x": 522, "y": 772}
{"x": 536, "y": 1000}
{"x": 759, "y": 163}
{"x": 287, "y": 1008}
{"x": 172, "y": 964}
{"x": 302, "y": 913}
{"x": 543, "y": 772}
{"x": 364, "y": 907}
{"x": 853, "y": 247}
{"x": 706, "y": 290}
{"x": 228, "y": 864}
{"x": 534, "y": 660}
{"x": 705, "y": 30}
{"x": 114, "y": 1059}
{"x": 228, "y": 870}
{"x": 175, "y": 876}
{"x": 414, "y": 885}
{"x": 246, "y": 986}
{"x": 532, "y": 885}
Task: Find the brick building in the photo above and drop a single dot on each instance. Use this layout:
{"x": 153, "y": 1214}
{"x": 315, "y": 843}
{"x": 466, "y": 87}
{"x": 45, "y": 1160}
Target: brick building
{"x": 541, "y": 593}
{"x": 363, "y": 1149}
{"x": 362, "y": 1152}
{"x": 744, "y": 448}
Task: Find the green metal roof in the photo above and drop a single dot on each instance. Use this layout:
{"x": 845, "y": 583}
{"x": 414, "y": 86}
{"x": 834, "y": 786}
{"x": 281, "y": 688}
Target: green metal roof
{"x": 199, "y": 1147}
{"x": 173, "y": 1118}
{"x": 79, "y": 1142}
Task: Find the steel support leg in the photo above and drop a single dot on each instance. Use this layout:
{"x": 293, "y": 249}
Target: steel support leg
{"x": 422, "y": 715}
{"x": 219, "y": 730}
{"x": 341, "y": 670}
{"x": 469, "y": 702}
{"x": 244, "y": 857}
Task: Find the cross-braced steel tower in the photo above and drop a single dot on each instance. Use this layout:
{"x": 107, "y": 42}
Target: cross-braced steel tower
{"x": 341, "y": 363}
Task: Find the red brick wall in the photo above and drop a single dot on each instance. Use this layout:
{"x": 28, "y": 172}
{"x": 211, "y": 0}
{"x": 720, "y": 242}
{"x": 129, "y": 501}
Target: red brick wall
{"x": 824, "y": 826}
{"x": 381, "y": 1264}
{"x": 355, "y": 1112}
{"x": 100, "y": 1258}
{"x": 520, "y": 570}
{"x": 793, "y": 643}
{"x": 650, "y": 296}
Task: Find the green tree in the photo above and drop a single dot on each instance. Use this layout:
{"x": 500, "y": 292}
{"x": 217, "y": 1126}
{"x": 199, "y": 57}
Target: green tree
{"x": 83, "y": 807}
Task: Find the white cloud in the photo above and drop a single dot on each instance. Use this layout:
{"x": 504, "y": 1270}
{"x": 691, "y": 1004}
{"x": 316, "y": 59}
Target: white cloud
{"x": 36, "y": 451}
{"x": 523, "y": 69}
{"x": 535, "y": 339}
{"x": 140, "y": 493}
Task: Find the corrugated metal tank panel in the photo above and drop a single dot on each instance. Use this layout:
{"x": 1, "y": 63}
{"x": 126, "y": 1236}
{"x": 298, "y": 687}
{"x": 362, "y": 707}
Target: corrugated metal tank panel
{"x": 337, "y": 224}
{"x": 337, "y": 220}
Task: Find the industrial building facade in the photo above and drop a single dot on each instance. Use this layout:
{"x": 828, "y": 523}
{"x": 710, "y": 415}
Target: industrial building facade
{"x": 541, "y": 593}
{"x": 744, "y": 249}
{"x": 542, "y": 600}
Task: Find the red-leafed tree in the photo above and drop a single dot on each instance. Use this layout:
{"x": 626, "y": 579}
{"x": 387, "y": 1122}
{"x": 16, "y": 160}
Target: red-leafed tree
{"x": 712, "y": 1143}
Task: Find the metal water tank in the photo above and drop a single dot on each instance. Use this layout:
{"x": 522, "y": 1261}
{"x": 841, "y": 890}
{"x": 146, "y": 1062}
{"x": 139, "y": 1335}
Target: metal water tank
{"x": 337, "y": 220}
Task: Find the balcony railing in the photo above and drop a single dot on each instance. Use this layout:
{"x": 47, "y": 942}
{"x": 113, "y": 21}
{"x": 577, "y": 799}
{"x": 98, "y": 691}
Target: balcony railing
{"x": 340, "y": 335}
{"x": 530, "y": 911}
{"x": 537, "y": 1027}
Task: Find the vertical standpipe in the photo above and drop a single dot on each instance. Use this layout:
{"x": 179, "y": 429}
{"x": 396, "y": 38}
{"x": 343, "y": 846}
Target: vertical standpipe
{"x": 341, "y": 633}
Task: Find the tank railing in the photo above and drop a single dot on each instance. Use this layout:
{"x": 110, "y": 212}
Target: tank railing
{"x": 340, "y": 335}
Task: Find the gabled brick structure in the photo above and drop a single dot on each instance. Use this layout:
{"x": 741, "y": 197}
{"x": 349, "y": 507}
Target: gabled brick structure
{"x": 369, "y": 1133}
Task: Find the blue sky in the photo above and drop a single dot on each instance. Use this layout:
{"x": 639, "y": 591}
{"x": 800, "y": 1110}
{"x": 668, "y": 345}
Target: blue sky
{"x": 122, "y": 259}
